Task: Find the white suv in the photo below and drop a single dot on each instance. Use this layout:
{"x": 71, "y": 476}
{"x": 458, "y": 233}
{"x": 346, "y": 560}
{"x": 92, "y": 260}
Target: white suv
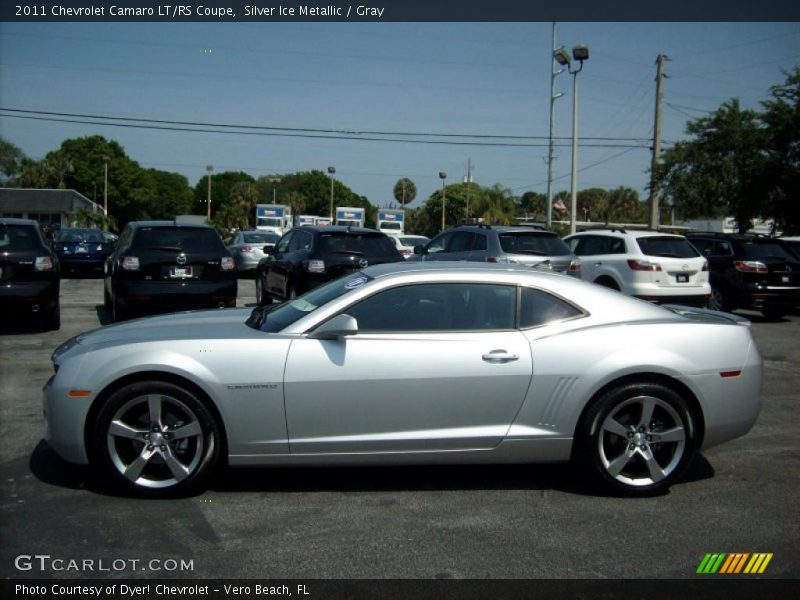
{"x": 651, "y": 265}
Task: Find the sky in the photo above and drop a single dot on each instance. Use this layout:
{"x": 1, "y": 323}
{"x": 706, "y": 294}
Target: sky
{"x": 469, "y": 79}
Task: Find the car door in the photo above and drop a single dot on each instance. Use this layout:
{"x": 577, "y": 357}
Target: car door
{"x": 433, "y": 367}
{"x": 277, "y": 266}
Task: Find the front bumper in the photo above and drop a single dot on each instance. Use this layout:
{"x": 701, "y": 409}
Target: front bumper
{"x": 64, "y": 422}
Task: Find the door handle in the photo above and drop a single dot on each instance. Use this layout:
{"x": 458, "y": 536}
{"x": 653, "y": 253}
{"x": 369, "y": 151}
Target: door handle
{"x": 499, "y": 357}
{"x": 598, "y": 264}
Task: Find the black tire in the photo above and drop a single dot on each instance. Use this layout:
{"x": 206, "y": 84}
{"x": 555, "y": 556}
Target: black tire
{"x": 51, "y": 319}
{"x": 625, "y": 452}
{"x": 717, "y": 301}
{"x": 260, "y": 299}
{"x": 117, "y": 312}
{"x": 156, "y": 439}
{"x": 772, "y": 313}
{"x": 106, "y": 298}
{"x": 607, "y": 282}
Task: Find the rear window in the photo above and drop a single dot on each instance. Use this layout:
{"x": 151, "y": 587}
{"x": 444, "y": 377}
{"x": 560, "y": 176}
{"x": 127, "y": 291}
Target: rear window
{"x": 261, "y": 238}
{"x": 358, "y": 244}
{"x": 758, "y": 250}
{"x": 539, "y": 244}
{"x": 80, "y": 235}
{"x": 178, "y": 239}
{"x": 16, "y": 238}
{"x": 667, "y": 246}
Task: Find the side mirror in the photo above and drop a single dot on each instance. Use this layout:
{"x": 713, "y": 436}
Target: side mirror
{"x": 419, "y": 249}
{"x": 269, "y": 250}
{"x": 337, "y": 327}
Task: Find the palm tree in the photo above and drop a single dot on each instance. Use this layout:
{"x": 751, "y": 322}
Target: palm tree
{"x": 405, "y": 191}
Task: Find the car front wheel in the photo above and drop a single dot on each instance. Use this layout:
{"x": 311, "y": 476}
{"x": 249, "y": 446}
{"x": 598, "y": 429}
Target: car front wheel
{"x": 156, "y": 439}
{"x": 637, "y": 439}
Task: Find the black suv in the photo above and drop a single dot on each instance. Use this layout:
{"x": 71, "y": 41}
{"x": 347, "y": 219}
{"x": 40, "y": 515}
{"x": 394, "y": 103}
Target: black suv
{"x": 750, "y": 271}
{"x": 523, "y": 245}
{"x": 29, "y": 275}
{"x": 307, "y": 256}
{"x": 168, "y": 265}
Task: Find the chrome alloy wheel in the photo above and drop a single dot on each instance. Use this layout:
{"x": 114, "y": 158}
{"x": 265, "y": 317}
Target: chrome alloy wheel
{"x": 715, "y": 301}
{"x": 641, "y": 441}
{"x": 155, "y": 441}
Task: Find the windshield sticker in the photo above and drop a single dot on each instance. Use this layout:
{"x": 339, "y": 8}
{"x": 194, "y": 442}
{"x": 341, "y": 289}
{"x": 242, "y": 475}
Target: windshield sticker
{"x": 303, "y": 305}
{"x": 354, "y": 283}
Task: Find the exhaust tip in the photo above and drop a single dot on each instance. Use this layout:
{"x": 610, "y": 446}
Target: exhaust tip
{"x": 220, "y": 304}
{"x": 35, "y": 308}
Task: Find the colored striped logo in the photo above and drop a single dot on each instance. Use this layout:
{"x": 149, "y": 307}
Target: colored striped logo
{"x": 735, "y": 563}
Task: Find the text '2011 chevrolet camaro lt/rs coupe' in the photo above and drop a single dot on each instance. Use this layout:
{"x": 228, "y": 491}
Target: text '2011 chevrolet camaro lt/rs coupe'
{"x": 409, "y": 363}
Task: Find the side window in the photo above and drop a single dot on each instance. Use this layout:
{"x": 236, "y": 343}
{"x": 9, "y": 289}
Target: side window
{"x": 438, "y": 244}
{"x": 461, "y": 241}
{"x": 437, "y": 307}
{"x": 124, "y": 238}
{"x": 589, "y": 245}
{"x": 300, "y": 241}
{"x": 539, "y": 308}
{"x": 615, "y": 246}
{"x": 283, "y": 245}
{"x": 723, "y": 248}
{"x": 480, "y": 242}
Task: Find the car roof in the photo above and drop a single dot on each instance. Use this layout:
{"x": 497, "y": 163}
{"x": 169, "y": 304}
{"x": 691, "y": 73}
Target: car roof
{"x": 337, "y": 229}
{"x": 16, "y": 221}
{"x": 637, "y": 233}
{"x": 451, "y": 267}
{"x": 174, "y": 223}
{"x": 508, "y": 228}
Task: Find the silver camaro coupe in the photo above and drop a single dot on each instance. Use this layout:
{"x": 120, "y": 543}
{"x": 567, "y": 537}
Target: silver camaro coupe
{"x": 411, "y": 363}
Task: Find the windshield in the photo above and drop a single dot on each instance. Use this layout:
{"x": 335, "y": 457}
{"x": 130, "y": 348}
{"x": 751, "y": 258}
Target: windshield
{"x": 18, "y": 238}
{"x": 390, "y": 225}
{"x": 269, "y": 222}
{"x": 668, "y": 246}
{"x": 274, "y": 318}
{"x": 368, "y": 244}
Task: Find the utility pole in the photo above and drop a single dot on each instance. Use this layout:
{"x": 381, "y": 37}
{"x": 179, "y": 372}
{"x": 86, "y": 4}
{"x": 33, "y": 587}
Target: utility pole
{"x": 209, "y": 170}
{"x": 654, "y": 209}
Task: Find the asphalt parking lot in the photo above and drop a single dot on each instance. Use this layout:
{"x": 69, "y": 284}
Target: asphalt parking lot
{"x": 409, "y": 522}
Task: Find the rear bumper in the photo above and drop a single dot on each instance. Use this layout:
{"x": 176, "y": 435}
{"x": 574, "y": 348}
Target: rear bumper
{"x": 698, "y": 300}
{"x": 177, "y": 294}
{"x": 787, "y": 299}
{"x": 21, "y": 298}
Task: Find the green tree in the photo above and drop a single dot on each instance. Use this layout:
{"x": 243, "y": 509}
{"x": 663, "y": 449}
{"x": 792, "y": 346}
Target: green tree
{"x": 244, "y": 196}
{"x": 405, "y": 191}
{"x": 532, "y": 205}
{"x": 86, "y": 217}
{"x": 221, "y": 184}
{"x": 781, "y": 119}
{"x": 11, "y": 159}
{"x": 718, "y": 172}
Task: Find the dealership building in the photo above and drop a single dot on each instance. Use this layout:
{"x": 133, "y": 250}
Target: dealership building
{"x": 46, "y": 206}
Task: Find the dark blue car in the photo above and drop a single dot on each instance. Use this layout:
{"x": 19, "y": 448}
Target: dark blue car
{"x": 82, "y": 251}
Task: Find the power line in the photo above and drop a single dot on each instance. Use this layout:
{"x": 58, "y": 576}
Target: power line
{"x": 329, "y": 133}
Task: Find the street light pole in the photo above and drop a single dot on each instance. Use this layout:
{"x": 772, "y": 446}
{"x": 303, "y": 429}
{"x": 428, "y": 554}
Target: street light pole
{"x": 209, "y": 170}
{"x": 553, "y": 98}
{"x": 105, "y": 188}
{"x": 443, "y": 177}
{"x": 331, "y": 171}
{"x": 274, "y": 181}
{"x": 579, "y": 53}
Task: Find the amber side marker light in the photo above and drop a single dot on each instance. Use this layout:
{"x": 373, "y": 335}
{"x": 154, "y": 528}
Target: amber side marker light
{"x": 79, "y": 393}
{"x": 730, "y": 373}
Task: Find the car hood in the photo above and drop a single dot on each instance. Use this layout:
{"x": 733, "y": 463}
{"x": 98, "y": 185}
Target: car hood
{"x": 190, "y": 325}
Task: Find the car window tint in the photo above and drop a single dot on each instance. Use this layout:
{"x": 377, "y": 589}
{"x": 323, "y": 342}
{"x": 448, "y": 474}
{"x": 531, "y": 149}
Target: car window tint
{"x": 757, "y": 250}
{"x": 461, "y": 241}
{"x": 615, "y": 246}
{"x": 668, "y": 246}
{"x": 180, "y": 239}
{"x": 439, "y": 243}
{"x": 437, "y": 307}
{"x": 300, "y": 241}
{"x": 367, "y": 244}
{"x": 15, "y": 238}
{"x": 540, "y": 244}
{"x": 283, "y": 245}
{"x": 480, "y": 242}
{"x": 539, "y": 308}
{"x": 258, "y": 238}
{"x": 589, "y": 245}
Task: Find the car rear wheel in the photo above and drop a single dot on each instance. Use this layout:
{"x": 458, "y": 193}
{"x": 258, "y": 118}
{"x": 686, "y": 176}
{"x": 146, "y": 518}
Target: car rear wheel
{"x": 637, "y": 439}
{"x": 51, "y": 319}
{"x": 117, "y": 312}
{"x": 156, "y": 439}
{"x": 716, "y": 301}
{"x": 259, "y": 292}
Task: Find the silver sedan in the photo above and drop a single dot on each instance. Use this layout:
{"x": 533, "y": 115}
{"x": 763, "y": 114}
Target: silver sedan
{"x": 249, "y": 247}
{"x": 501, "y": 365}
